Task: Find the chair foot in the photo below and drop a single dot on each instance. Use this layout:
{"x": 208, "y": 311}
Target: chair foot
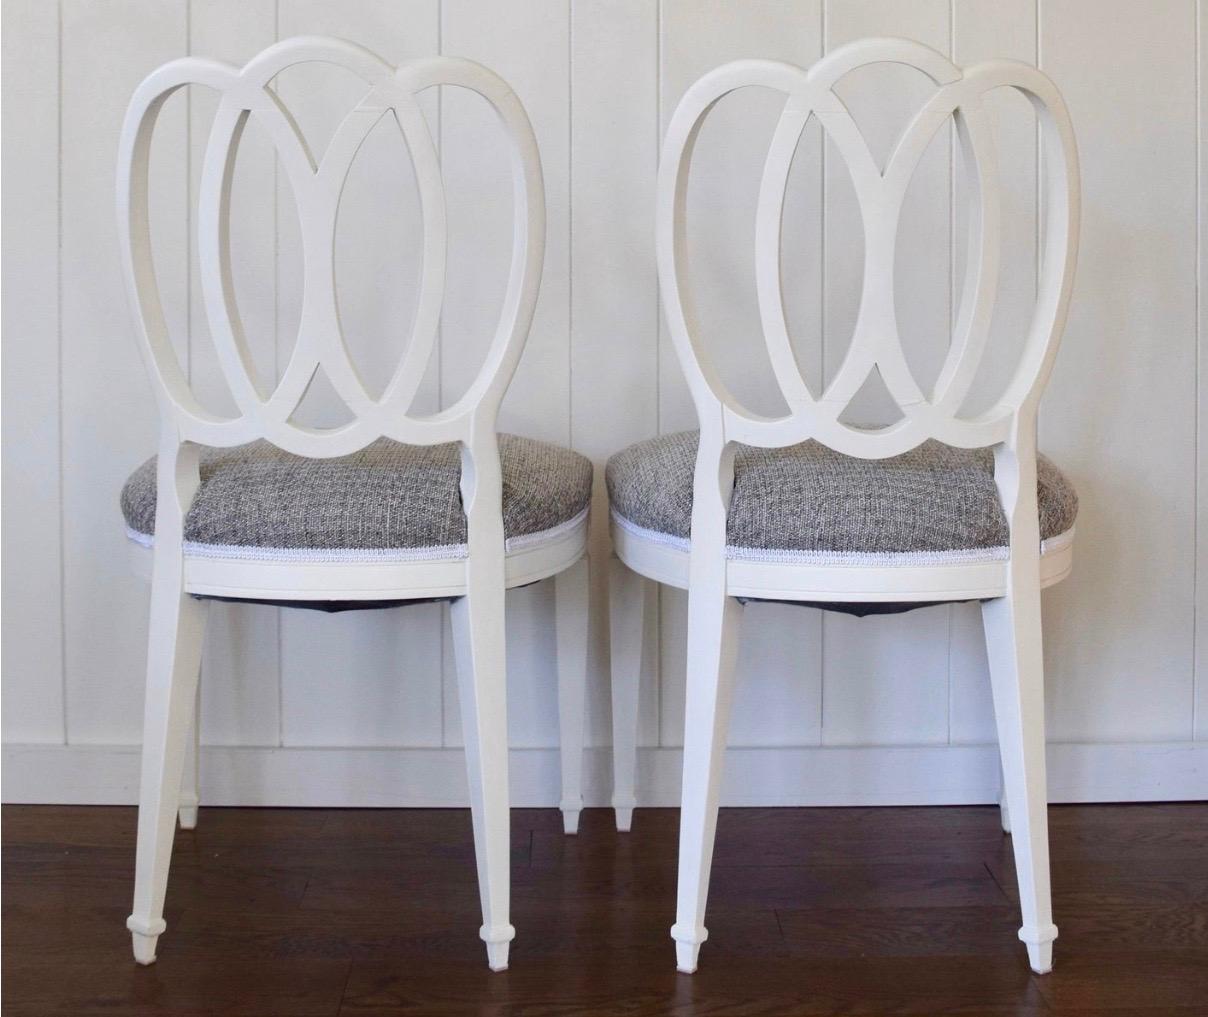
{"x": 499, "y": 942}
{"x": 1040, "y": 947}
{"x": 570, "y": 821}
{"x": 1004, "y": 814}
{"x": 188, "y": 813}
{"x": 687, "y": 947}
{"x": 144, "y": 947}
{"x": 1040, "y": 957}
{"x": 624, "y": 817}
{"x": 144, "y": 937}
{"x": 686, "y": 956}
{"x": 497, "y": 956}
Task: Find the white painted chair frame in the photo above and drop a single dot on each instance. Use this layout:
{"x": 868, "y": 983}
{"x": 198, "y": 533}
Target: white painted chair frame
{"x": 1009, "y": 589}
{"x": 477, "y": 581}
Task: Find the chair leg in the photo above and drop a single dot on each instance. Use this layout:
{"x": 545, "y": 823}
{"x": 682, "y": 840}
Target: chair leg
{"x": 571, "y": 593}
{"x": 1013, "y": 642}
{"x": 478, "y": 641}
{"x": 627, "y": 608}
{"x": 713, "y": 623}
{"x": 173, "y": 661}
{"x": 190, "y": 783}
{"x": 1004, "y": 807}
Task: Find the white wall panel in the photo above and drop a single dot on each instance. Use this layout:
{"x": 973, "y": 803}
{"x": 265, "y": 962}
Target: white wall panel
{"x": 32, "y": 550}
{"x": 109, "y": 420}
{"x": 1200, "y": 705}
{"x": 970, "y": 705}
{"x": 904, "y": 700}
{"x": 528, "y": 43}
{"x": 1120, "y": 412}
{"x": 613, "y": 342}
{"x": 362, "y": 678}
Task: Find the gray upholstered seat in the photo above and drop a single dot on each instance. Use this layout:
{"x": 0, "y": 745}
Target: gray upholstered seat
{"x": 808, "y": 500}
{"x": 386, "y": 498}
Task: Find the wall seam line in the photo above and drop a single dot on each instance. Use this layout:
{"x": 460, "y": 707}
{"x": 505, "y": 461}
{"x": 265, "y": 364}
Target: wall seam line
{"x": 188, "y": 203}
{"x": 658, "y": 373}
{"x": 446, "y": 620}
{"x": 952, "y": 207}
{"x": 279, "y": 611}
{"x": 822, "y": 248}
{"x": 1197, "y": 493}
{"x": 570, "y": 223}
{"x": 59, "y": 369}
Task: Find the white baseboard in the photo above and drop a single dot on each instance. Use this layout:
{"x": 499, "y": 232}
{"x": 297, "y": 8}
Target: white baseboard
{"x": 350, "y": 777}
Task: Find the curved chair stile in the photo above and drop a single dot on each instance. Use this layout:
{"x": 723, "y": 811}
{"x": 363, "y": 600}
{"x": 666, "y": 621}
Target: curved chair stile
{"x": 479, "y": 580}
{"x": 714, "y": 577}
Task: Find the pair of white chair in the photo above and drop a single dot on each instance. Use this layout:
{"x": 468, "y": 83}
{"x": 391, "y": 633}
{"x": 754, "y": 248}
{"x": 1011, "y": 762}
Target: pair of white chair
{"x": 393, "y": 507}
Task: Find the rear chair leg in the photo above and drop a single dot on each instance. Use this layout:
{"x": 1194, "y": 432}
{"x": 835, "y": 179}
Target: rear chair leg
{"x": 1004, "y": 808}
{"x": 627, "y": 609}
{"x": 190, "y": 785}
{"x": 571, "y": 592}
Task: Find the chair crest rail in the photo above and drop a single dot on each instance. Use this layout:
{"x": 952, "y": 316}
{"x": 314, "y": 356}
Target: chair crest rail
{"x": 317, "y": 186}
{"x": 876, "y": 341}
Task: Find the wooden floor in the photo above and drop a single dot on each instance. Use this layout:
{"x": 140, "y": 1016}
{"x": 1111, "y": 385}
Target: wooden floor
{"x": 813, "y": 911}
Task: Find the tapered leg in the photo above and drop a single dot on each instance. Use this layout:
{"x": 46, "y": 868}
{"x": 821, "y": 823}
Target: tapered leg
{"x": 713, "y": 623}
{"x": 190, "y": 783}
{"x": 571, "y": 589}
{"x": 173, "y": 660}
{"x": 627, "y": 608}
{"x": 478, "y": 640}
{"x": 1004, "y": 808}
{"x": 1013, "y": 641}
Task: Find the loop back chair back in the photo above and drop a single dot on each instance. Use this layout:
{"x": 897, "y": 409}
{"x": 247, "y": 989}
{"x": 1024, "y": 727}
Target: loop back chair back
{"x": 478, "y": 575}
{"x": 715, "y": 572}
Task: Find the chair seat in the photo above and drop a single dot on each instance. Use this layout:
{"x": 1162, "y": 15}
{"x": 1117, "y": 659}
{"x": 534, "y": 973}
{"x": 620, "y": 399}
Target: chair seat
{"x": 808, "y": 504}
{"x": 389, "y": 502}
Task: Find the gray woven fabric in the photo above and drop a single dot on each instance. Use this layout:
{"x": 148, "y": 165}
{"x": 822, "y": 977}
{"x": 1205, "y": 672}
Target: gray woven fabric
{"x": 387, "y": 495}
{"x": 811, "y": 498}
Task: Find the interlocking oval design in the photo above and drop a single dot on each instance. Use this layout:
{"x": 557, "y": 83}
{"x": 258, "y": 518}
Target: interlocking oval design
{"x": 876, "y": 341}
{"x": 317, "y": 186}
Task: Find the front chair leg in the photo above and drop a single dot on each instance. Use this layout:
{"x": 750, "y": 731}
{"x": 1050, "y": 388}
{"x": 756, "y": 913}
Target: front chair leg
{"x": 1013, "y": 642}
{"x": 571, "y": 592}
{"x": 626, "y": 616}
{"x": 713, "y": 622}
{"x": 173, "y": 661}
{"x": 478, "y": 641}
{"x": 190, "y": 784}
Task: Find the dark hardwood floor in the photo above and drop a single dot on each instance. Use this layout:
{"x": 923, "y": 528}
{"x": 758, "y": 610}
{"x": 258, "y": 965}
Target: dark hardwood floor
{"x": 812, "y": 911}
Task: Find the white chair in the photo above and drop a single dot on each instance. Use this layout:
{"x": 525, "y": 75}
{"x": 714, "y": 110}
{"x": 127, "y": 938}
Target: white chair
{"x": 257, "y": 507}
{"x": 777, "y": 509}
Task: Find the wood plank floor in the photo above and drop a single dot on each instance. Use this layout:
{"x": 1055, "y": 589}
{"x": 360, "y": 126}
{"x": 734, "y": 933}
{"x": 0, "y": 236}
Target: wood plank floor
{"x": 813, "y": 911}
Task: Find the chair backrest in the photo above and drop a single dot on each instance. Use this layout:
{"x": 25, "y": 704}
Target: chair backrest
{"x": 876, "y": 342}
{"x": 317, "y": 186}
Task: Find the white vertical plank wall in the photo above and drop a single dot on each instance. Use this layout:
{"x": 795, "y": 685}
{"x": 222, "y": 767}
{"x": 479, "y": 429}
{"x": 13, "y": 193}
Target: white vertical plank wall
{"x": 33, "y": 697}
{"x": 360, "y": 709}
